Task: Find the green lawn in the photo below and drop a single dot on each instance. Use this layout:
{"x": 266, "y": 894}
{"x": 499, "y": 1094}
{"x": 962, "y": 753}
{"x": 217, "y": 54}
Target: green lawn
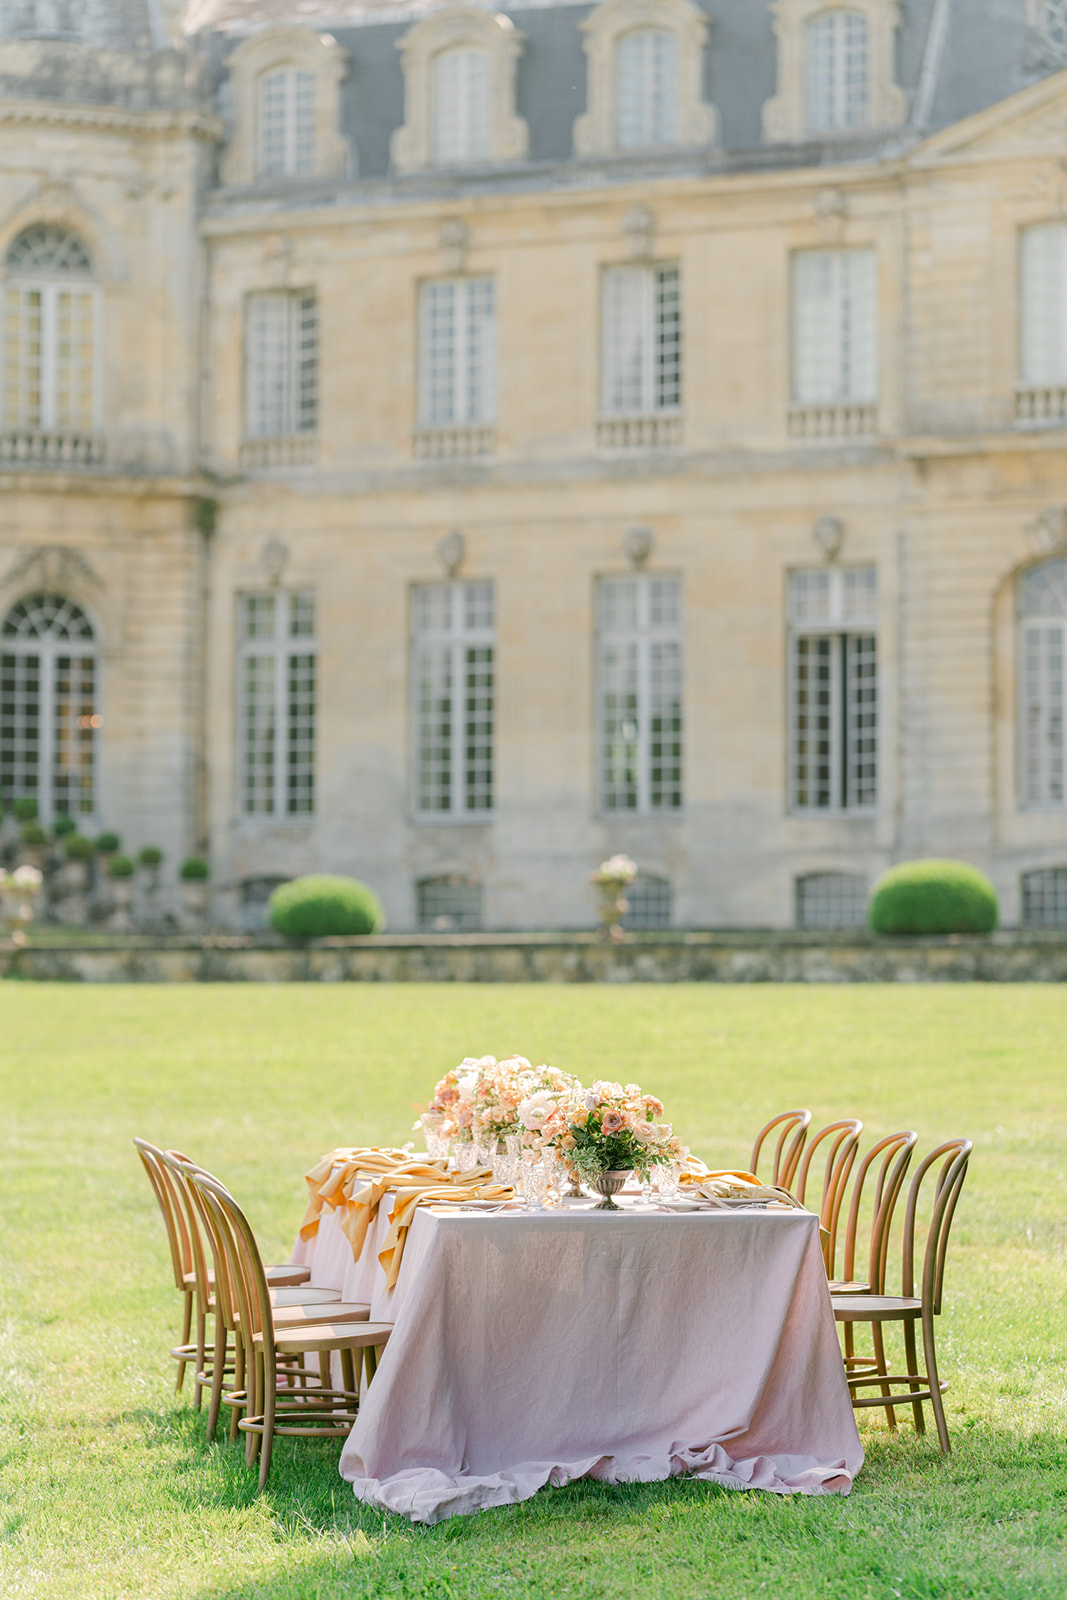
{"x": 106, "y": 1486}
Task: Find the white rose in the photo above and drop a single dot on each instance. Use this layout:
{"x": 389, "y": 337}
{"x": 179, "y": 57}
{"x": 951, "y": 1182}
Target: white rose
{"x": 535, "y": 1111}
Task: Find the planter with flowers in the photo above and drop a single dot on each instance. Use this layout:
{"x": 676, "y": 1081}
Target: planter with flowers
{"x": 18, "y": 893}
{"x": 611, "y": 880}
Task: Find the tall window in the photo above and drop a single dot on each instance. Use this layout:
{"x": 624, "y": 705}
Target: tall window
{"x": 48, "y": 709}
{"x": 43, "y": 18}
{"x": 454, "y": 692}
{"x": 641, "y": 368}
{"x": 646, "y": 99}
{"x": 835, "y": 326}
{"x": 276, "y": 712}
{"x": 281, "y": 364}
{"x": 1043, "y": 631}
{"x": 1043, "y": 304}
{"x": 639, "y": 694}
{"x": 837, "y": 71}
{"x": 50, "y": 314}
{"x": 286, "y": 122}
{"x": 462, "y": 106}
{"x": 457, "y": 352}
{"x": 833, "y": 689}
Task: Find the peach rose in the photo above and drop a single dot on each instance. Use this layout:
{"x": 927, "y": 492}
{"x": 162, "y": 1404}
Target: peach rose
{"x": 612, "y": 1122}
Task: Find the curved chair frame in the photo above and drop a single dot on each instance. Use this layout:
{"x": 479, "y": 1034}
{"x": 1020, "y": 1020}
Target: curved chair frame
{"x": 787, "y": 1150}
{"x": 842, "y": 1141}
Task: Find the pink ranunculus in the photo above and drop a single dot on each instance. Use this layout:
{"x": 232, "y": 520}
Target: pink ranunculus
{"x": 612, "y": 1122}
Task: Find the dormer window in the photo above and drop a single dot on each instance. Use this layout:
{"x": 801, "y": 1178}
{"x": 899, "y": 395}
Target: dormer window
{"x": 837, "y": 71}
{"x": 462, "y": 107}
{"x": 286, "y": 122}
{"x": 646, "y": 93}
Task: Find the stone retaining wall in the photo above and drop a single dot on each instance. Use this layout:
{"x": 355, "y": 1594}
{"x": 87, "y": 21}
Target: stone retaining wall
{"x": 553, "y": 958}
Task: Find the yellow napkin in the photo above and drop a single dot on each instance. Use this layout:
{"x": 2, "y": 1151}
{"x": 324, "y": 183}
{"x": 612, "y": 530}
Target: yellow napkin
{"x": 332, "y": 1177}
{"x": 363, "y": 1199}
{"x": 728, "y": 1181}
{"x": 408, "y": 1201}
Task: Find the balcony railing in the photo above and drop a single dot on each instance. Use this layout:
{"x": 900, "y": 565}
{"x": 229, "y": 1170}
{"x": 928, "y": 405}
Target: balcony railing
{"x": 1041, "y": 405}
{"x": 31, "y": 447}
{"x": 649, "y": 430}
{"x": 288, "y": 450}
{"x": 843, "y": 420}
{"x": 461, "y": 443}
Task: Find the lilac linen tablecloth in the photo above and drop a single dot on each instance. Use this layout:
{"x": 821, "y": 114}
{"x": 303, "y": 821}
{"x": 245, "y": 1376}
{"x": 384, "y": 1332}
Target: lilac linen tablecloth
{"x": 538, "y": 1348}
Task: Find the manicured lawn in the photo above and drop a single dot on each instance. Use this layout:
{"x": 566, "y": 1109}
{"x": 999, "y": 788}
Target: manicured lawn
{"x": 106, "y": 1486}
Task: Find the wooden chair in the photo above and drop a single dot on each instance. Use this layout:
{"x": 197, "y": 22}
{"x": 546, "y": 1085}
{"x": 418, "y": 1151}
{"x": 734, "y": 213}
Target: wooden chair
{"x": 950, "y": 1162}
{"x": 839, "y": 1141}
{"x": 304, "y": 1408}
{"x": 892, "y": 1156}
{"x": 793, "y": 1130}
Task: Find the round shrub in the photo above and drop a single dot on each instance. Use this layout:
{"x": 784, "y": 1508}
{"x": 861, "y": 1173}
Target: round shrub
{"x": 933, "y": 897}
{"x": 150, "y": 855}
{"x": 120, "y": 867}
{"x": 77, "y": 848}
{"x": 108, "y": 843}
{"x": 195, "y": 870}
{"x": 33, "y": 834}
{"x": 64, "y": 825}
{"x": 25, "y": 809}
{"x": 321, "y": 905}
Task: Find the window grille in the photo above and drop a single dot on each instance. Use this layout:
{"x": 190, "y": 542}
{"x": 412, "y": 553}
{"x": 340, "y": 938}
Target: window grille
{"x": 833, "y": 689}
{"x": 1053, "y": 24}
{"x": 835, "y": 326}
{"x": 48, "y": 711}
{"x": 831, "y": 900}
{"x": 642, "y": 340}
{"x": 462, "y": 106}
{"x": 277, "y": 670}
{"x": 282, "y": 364}
{"x": 639, "y": 694}
{"x": 255, "y": 902}
{"x": 454, "y": 694}
{"x": 457, "y": 352}
{"x": 1043, "y": 625}
{"x": 49, "y": 334}
{"x": 44, "y": 18}
{"x": 1043, "y": 304}
{"x": 448, "y": 905}
{"x": 286, "y": 122}
{"x": 837, "y": 71}
{"x": 1045, "y": 898}
{"x": 650, "y": 902}
{"x": 646, "y": 95}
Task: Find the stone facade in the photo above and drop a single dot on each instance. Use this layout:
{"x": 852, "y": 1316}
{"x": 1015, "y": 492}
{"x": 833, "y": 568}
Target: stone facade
{"x": 941, "y": 481}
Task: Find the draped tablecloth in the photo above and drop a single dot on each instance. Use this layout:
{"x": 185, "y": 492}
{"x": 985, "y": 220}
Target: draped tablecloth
{"x": 538, "y": 1348}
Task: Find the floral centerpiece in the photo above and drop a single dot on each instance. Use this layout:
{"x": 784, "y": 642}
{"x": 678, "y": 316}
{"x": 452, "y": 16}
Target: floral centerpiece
{"x": 606, "y": 1129}
{"x": 479, "y": 1100}
{"x": 453, "y": 1097}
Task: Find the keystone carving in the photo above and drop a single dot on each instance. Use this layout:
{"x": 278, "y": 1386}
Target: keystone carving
{"x": 829, "y": 534}
{"x": 450, "y": 552}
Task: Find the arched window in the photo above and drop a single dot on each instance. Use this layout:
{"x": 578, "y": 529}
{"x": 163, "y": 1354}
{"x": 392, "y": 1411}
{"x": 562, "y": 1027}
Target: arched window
{"x": 286, "y": 122}
{"x": 448, "y": 904}
{"x": 837, "y": 71}
{"x": 50, "y": 315}
{"x": 1042, "y": 684}
{"x": 650, "y": 903}
{"x": 462, "y": 106}
{"x": 831, "y": 900}
{"x": 646, "y": 98}
{"x": 48, "y": 706}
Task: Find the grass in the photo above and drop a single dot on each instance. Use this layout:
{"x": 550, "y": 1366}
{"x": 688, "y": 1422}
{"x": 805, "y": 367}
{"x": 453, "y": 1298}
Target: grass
{"x": 107, "y": 1489}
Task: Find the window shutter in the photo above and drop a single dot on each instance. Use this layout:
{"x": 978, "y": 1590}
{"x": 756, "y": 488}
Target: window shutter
{"x": 1044, "y": 314}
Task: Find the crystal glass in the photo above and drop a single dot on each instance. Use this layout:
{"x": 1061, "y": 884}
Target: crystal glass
{"x": 466, "y": 1154}
{"x": 534, "y": 1183}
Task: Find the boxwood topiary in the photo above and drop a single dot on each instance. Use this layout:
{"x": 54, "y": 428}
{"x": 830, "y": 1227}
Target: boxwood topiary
{"x": 120, "y": 867}
{"x": 25, "y": 808}
{"x": 64, "y": 825}
{"x": 321, "y": 905}
{"x": 108, "y": 843}
{"x": 933, "y": 897}
{"x": 33, "y": 834}
{"x": 77, "y": 848}
{"x": 150, "y": 855}
{"x": 194, "y": 870}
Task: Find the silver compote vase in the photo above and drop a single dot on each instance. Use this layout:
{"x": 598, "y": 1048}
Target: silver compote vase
{"x": 608, "y": 1184}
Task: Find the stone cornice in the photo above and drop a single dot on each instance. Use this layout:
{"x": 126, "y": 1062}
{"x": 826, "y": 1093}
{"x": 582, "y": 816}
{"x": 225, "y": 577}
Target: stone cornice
{"x": 112, "y": 119}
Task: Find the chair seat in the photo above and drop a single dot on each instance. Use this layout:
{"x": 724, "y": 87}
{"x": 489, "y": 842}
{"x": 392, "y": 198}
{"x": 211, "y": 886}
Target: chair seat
{"x": 293, "y": 1317}
{"x": 842, "y": 1286}
{"x": 304, "y": 1296}
{"x": 876, "y": 1308}
{"x": 328, "y": 1336}
{"x": 283, "y": 1276}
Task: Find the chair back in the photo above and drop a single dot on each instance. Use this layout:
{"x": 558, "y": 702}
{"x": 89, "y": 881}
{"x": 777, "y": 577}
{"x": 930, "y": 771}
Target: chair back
{"x": 237, "y": 1255}
{"x": 892, "y": 1156}
{"x": 197, "y": 1231}
{"x": 793, "y": 1130}
{"x": 953, "y": 1157}
{"x": 170, "y": 1204}
{"x": 838, "y": 1141}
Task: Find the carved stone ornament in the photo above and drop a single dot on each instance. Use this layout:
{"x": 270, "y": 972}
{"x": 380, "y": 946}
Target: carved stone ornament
{"x": 639, "y": 226}
{"x": 829, "y": 534}
{"x": 1050, "y": 530}
{"x": 273, "y": 560}
{"x": 450, "y": 552}
{"x": 454, "y": 240}
{"x": 637, "y": 546}
{"x": 53, "y": 568}
{"x": 831, "y": 213}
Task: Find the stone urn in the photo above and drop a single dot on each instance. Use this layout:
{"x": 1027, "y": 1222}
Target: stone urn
{"x": 120, "y": 920}
{"x": 611, "y": 880}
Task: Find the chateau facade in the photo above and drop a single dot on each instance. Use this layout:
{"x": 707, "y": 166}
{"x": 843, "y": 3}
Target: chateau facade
{"x": 449, "y": 446}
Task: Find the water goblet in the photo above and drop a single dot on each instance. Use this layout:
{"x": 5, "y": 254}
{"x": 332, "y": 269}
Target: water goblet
{"x": 466, "y": 1155}
{"x": 534, "y": 1183}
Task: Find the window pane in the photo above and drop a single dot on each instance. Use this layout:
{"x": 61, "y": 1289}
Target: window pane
{"x": 458, "y": 352}
{"x": 259, "y": 733}
{"x": 433, "y": 783}
{"x": 73, "y": 735}
{"x": 619, "y": 728}
{"x": 23, "y": 330}
{"x": 668, "y": 338}
{"x": 258, "y": 616}
{"x": 286, "y": 122}
{"x": 831, "y": 900}
{"x": 1045, "y": 898}
{"x": 665, "y": 726}
{"x": 301, "y": 616}
{"x": 1044, "y": 314}
{"x": 861, "y": 725}
{"x": 300, "y": 754}
{"x": 462, "y": 104}
{"x": 453, "y": 674}
{"x": 269, "y": 368}
{"x": 478, "y": 728}
{"x": 627, "y": 335}
{"x": 73, "y": 379}
{"x": 1043, "y": 590}
{"x": 306, "y": 339}
{"x": 835, "y": 334}
{"x": 647, "y": 88}
{"x": 1042, "y": 714}
{"x": 650, "y": 902}
{"x": 20, "y": 725}
{"x": 815, "y": 720}
{"x": 837, "y": 71}
{"x": 448, "y": 905}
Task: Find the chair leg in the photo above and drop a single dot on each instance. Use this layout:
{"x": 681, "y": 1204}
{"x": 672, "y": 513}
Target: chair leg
{"x": 201, "y": 1347}
{"x": 370, "y": 1360}
{"x": 881, "y": 1368}
{"x": 218, "y": 1379}
{"x": 241, "y": 1380}
{"x": 267, "y": 1437}
{"x": 187, "y": 1324}
{"x": 914, "y": 1382}
{"x": 256, "y": 1391}
{"x": 935, "y": 1384}
{"x": 348, "y": 1373}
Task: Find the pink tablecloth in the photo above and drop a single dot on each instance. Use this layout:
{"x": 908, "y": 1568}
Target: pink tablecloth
{"x": 533, "y": 1349}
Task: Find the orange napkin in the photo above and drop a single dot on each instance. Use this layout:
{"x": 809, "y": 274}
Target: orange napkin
{"x": 331, "y": 1178}
{"x": 408, "y": 1201}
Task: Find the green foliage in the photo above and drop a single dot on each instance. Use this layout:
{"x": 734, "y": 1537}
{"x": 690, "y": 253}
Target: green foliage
{"x": 77, "y": 848}
{"x": 25, "y": 809}
{"x": 34, "y": 835}
{"x": 933, "y": 897}
{"x": 319, "y": 906}
{"x": 120, "y": 867}
{"x": 150, "y": 855}
{"x": 108, "y": 842}
{"x": 64, "y": 825}
{"x": 194, "y": 870}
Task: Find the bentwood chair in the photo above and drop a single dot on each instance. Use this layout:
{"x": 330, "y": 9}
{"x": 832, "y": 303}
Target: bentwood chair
{"x": 308, "y": 1405}
{"x": 949, "y": 1164}
{"x": 792, "y": 1129}
{"x": 837, "y": 1143}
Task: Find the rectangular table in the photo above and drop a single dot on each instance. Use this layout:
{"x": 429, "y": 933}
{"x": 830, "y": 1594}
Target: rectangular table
{"x": 534, "y": 1348}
